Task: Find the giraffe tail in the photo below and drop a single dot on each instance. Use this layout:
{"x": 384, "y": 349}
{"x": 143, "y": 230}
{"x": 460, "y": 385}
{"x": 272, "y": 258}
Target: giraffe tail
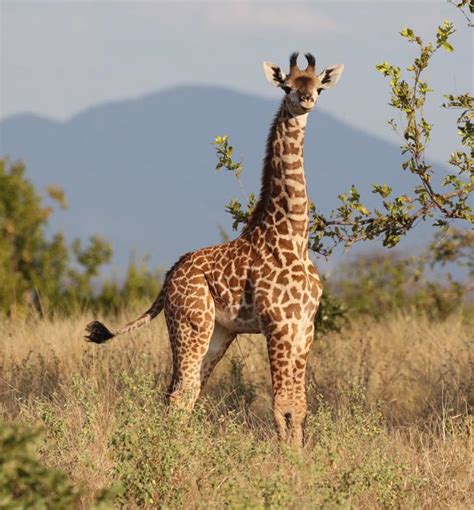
{"x": 99, "y": 334}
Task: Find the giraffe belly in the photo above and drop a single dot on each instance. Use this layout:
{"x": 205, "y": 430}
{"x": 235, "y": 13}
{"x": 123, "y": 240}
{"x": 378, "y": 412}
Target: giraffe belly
{"x": 237, "y": 319}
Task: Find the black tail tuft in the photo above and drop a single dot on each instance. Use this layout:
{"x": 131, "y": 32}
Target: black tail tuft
{"x": 98, "y": 333}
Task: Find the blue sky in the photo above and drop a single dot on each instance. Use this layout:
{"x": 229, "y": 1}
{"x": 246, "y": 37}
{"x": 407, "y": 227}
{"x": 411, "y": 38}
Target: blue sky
{"x": 60, "y": 57}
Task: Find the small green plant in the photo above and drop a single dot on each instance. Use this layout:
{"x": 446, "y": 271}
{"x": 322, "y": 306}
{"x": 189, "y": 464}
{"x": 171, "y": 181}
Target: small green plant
{"x": 350, "y": 456}
{"x": 146, "y": 445}
{"x": 332, "y": 314}
{"x": 237, "y": 393}
{"x": 24, "y": 482}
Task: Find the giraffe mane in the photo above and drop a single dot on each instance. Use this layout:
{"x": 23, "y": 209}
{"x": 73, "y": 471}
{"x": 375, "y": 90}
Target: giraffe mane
{"x": 267, "y": 173}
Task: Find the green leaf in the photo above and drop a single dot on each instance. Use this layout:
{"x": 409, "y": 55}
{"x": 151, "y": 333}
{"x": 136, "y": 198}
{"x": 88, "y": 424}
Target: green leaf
{"x": 447, "y": 47}
{"x": 407, "y": 32}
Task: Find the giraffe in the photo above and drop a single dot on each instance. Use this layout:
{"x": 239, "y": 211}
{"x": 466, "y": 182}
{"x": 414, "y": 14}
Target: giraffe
{"x": 261, "y": 282}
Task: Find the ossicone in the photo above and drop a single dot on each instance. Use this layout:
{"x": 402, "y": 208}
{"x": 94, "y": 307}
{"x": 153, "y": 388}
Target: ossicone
{"x": 311, "y": 62}
{"x": 293, "y": 61}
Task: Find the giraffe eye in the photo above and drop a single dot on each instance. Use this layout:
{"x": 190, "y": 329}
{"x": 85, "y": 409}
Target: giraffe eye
{"x": 319, "y": 91}
{"x": 286, "y": 89}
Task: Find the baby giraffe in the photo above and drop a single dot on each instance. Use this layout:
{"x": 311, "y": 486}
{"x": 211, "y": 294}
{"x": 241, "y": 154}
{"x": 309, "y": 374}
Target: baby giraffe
{"x": 261, "y": 282}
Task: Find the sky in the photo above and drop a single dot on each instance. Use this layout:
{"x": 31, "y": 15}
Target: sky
{"x": 60, "y": 57}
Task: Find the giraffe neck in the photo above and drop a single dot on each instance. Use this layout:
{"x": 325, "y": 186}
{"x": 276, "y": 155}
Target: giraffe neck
{"x": 283, "y": 204}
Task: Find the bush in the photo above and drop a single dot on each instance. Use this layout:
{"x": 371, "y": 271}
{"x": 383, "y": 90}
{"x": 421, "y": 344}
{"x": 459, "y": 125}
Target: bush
{"x": 46, "y": 275}
{"x": 380, "y": 283}
{"x": 24, "y": 482}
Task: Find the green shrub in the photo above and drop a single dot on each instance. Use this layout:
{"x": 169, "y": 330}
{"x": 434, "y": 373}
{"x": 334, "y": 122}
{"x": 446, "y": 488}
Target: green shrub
{"x": 24, "y": 482}
{"x": 379, "y": 283}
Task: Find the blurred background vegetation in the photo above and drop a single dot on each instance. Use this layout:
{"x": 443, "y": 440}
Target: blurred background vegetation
{"x": 40, "y": 273}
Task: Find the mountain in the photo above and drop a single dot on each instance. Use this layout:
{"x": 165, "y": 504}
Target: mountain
{"x": 140, "y": 172}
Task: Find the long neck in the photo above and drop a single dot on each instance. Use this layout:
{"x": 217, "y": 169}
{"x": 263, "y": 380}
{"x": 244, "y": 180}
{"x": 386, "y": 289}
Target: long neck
{"x": 283, "y": 203}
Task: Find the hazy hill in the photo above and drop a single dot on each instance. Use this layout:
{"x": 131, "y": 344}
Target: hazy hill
{"x": 140, "y": 172}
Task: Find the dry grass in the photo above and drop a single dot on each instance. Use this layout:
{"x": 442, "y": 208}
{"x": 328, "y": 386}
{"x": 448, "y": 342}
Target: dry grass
{"x": 390, "y": 422}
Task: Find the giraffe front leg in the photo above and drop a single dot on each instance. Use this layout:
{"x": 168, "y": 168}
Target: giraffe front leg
{"x": 185, "y": 391}
{"x": 300, "y": 408}
{"x": 279, "y": 352}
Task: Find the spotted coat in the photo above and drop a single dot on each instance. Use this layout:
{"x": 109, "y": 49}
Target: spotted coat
{"x": 261, "y": 282}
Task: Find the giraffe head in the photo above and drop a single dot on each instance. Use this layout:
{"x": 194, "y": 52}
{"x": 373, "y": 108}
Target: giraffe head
{"x": 302, "y": 87}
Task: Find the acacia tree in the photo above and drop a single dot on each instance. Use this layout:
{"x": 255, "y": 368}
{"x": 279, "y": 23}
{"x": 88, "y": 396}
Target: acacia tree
{"x": 352, "y": 221}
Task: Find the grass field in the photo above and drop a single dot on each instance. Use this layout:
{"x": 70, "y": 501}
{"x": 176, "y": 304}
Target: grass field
{"x": 389, "y": 423}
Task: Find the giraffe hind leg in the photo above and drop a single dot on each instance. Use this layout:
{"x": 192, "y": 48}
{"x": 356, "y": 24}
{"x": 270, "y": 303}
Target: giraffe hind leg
{"x": 190, "y": 330}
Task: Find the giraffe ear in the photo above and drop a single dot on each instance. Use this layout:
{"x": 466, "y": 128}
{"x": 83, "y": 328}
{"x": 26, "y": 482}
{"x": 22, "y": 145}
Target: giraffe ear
{"x": 274, "y": 74}
{"x": 330, "y": 76}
